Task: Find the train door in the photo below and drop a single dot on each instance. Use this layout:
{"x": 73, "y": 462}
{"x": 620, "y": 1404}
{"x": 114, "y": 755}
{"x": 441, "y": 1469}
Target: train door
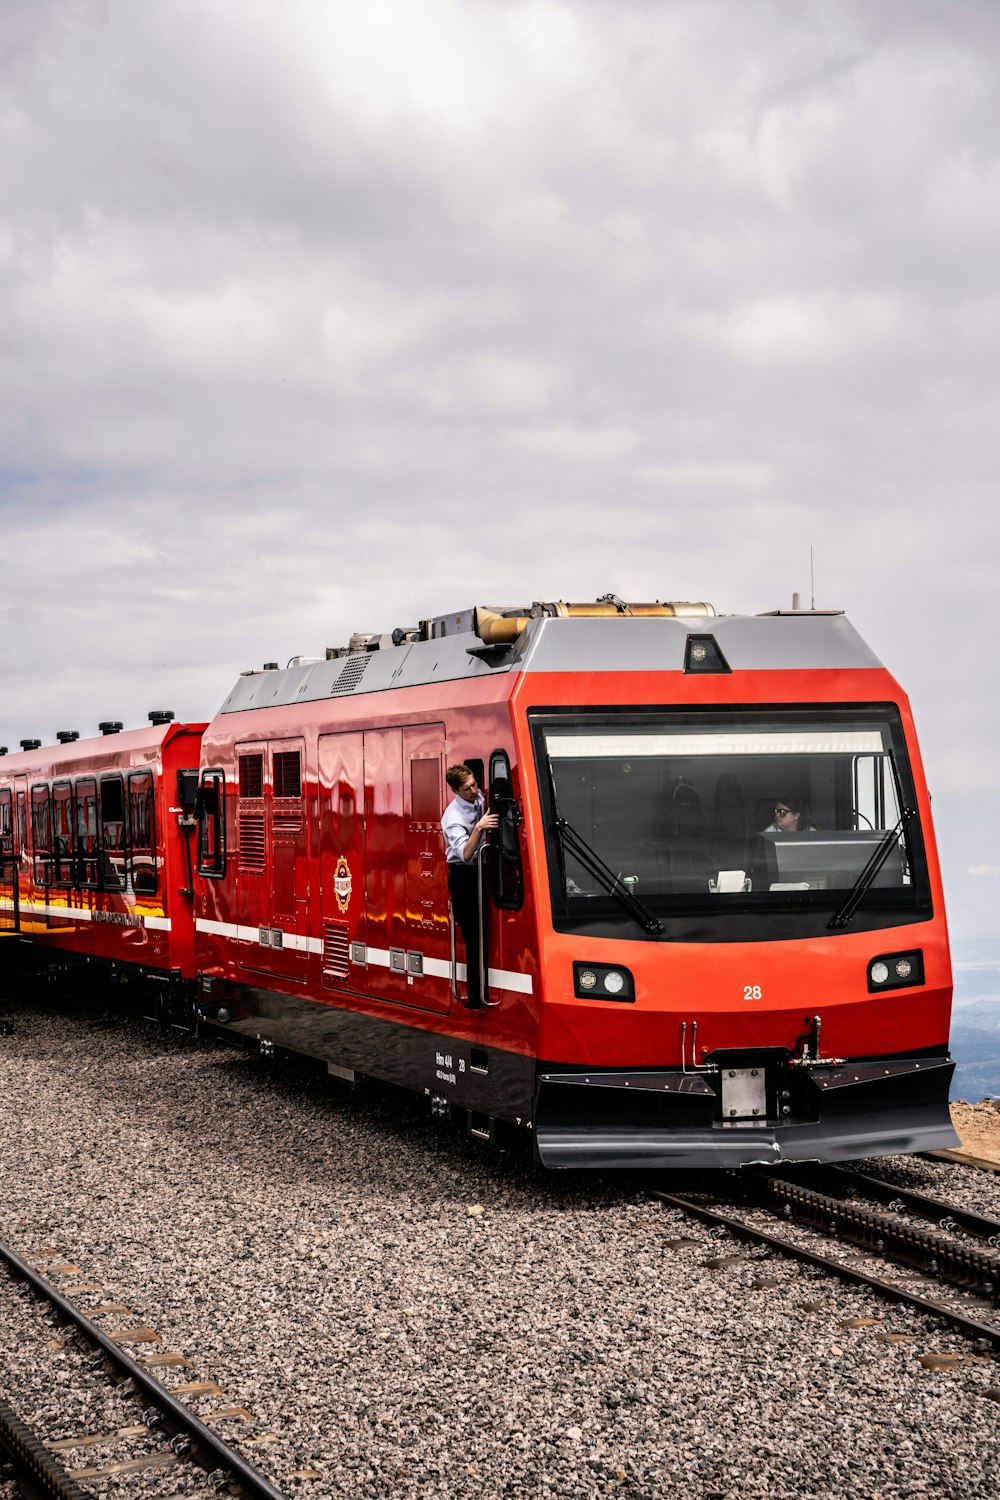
{"x": 427, "y": 926}
{"x": 342, "y": 860}
{"x": 9, "y": 906}
{"x": 252, "y": 906}
{"x": 272, "y": 866}
{"x": 504, "y": 864}
{"x": 287, "y": 828}
{"x": 22, "y": 872}
{"x": 385, "y": 866}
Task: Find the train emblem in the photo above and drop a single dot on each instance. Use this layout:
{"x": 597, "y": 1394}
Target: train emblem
{"x": 342, "y": 884}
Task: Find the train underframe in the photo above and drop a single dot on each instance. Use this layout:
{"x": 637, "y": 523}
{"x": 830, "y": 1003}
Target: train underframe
{"x": 740, "y": 1107}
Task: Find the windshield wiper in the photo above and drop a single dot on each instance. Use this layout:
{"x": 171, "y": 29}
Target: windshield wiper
{"x": 606, "y": 877}
{"x": 845, "y": 911}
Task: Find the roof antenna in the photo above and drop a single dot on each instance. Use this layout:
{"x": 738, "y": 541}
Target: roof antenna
{"x": 812, "y": 578}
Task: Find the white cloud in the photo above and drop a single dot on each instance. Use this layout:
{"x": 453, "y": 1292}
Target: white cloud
{"x": 683, "y": 290}
{"x": 574, "y": 444}
{"x": 983, "y": 870}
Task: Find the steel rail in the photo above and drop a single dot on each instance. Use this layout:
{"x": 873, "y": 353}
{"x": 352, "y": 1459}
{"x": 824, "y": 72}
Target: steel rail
{"x": 924, "y": 1250}
{"x": 984, "y": 1334}
{"x": 959, "y": 1264}
{"x": 183, "y": 1419}
{"x": 31, "y": 1457}
{"x": 946, "y": 1215}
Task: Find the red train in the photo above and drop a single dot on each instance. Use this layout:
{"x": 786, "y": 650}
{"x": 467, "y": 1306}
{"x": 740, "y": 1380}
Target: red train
{"x": 96, "y": 850}
{"x": 676, "y": 973}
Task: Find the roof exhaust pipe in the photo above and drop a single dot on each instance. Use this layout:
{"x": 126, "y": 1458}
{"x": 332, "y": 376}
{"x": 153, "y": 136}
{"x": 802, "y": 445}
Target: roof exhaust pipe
{"x": 496, "y": 629}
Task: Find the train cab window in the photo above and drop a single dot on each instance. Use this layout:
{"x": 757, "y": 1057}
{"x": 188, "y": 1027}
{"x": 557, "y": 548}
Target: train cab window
{"x": 85, "y": 800}
{"x": 142, "y": 832}
{"x": 211, "y": 810}
{"x": 41, "y": 833}
{"x": 62, "y": 833}
{"x": 722, "y": 821}
{"x": 506, "y": 876}
{"x": 112, "y": 833}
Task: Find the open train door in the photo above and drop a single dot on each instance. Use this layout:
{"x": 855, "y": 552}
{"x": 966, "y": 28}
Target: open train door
{"x": 10, "y": 915}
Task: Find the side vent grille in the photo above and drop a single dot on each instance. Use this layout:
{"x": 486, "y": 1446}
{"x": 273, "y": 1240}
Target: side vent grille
{"x": 251, "y": 830}
{"x": 351, "y": 674}
{"x": 287, "y": 773}
{"x": 336, "y": 950}
{"x": 251, "y": 776}
{"x": 286, "y": 779}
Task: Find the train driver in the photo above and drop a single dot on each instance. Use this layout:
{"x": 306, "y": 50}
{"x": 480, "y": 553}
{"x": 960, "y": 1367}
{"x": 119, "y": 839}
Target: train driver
{"x": 791, "y": 815}
{"x": 464, "y": 823}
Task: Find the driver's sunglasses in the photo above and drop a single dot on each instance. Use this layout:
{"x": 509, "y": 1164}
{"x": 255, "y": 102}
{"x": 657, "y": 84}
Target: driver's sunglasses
{"x": 779, "y": 812}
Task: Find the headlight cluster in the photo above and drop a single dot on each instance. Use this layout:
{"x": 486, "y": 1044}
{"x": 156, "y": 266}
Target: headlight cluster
{"x": 893, "y": 971}
{"x": 602, "y": 982}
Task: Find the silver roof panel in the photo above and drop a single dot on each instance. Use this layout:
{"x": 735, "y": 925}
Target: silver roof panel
{"x": 748, "y": 642}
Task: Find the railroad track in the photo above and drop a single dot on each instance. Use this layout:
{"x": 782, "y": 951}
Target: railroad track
{"x": 165, "y": 1434}
{"x": 905, "y": 1246}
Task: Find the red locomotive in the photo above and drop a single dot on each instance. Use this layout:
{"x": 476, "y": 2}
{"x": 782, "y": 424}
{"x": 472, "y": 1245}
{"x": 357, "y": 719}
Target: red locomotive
{"x": 713, "y": 923}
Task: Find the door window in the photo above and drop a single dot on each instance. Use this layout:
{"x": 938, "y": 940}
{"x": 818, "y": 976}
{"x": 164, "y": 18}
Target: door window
{"x": 212, "y": 824}
{"x": 62, "y": 833}
{"x": 41, "y": 834}
{"x": 142, "y": 831}
{"x": 85, "y": 790}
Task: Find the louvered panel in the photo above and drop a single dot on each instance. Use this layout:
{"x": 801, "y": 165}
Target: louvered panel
{"x": 251, "y": 831}
{"x": 283, "y": 822}
{"x": 351, "y": 674}
{"x": 336, "y": 950}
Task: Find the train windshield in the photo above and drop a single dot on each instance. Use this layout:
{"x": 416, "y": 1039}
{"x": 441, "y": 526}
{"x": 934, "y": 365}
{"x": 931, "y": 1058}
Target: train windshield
{"x": 716, "y": 814}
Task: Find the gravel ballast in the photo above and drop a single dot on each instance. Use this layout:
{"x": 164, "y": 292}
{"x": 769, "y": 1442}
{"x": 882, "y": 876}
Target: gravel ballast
{"x": 404, "y": 1314}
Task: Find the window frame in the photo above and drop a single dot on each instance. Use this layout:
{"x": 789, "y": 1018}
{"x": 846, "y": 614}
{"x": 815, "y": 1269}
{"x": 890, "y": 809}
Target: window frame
{"x": 151, "y": 886}
{"x": 504, "y": 900}
{"x": 112, "y": 878}
{"x": 83, "y": 858}
{"x": 41, "y": 799}
{"x": 216, "y": 869}
{"x": 732, "y": 917}
{"x": 68, "y": 881}
{"x": 7, "y": 854}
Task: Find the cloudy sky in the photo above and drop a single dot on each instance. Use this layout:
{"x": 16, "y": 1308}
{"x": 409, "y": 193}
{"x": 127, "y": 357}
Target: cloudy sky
{"x": 331, "y": 314}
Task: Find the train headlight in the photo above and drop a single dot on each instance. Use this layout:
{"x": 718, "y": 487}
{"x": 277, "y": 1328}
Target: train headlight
{"x": 602, "y": 982}
{"x": 895, "y": 971}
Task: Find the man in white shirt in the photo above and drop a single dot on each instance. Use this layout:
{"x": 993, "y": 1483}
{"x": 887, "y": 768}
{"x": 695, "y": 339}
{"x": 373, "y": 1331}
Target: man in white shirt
{"x": 463, "y": 824}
